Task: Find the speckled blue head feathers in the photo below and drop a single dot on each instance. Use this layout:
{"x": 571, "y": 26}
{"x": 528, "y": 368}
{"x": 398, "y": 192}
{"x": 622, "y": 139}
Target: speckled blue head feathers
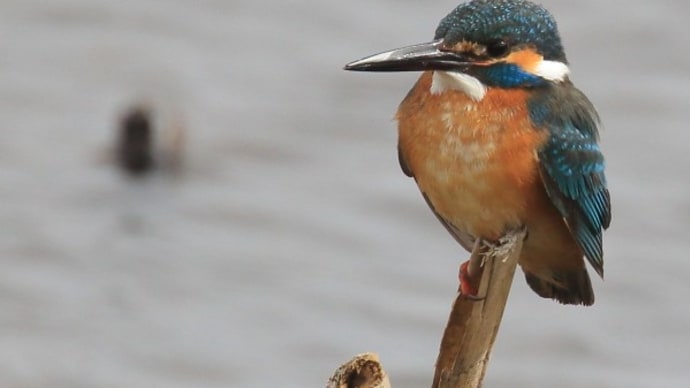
{"x": 518, "y": 22}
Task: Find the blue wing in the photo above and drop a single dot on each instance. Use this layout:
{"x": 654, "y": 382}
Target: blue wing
{"x": 572, "y": 167}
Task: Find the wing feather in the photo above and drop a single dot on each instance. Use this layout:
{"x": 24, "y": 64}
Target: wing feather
{"x": 572, "y": 166}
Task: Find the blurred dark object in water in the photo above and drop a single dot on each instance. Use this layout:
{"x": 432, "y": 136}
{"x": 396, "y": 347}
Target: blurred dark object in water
{"x": 135, "y": 143}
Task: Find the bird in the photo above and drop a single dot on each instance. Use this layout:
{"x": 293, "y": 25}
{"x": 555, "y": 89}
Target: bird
{"x": 147, "y": 144}
{"x": 497, "y": 137}
{"x": 135, "y": 142}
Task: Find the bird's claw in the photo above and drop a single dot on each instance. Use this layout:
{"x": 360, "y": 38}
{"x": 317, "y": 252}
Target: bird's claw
{"x": 499, "y": 248}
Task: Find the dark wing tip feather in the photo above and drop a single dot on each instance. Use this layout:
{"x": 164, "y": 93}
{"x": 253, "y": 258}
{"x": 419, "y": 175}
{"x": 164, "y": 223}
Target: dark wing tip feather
{"x": 570, "y": 287}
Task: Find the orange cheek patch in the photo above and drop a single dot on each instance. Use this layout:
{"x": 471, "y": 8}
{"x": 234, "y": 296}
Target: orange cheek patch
{"x": 527, "y": 59}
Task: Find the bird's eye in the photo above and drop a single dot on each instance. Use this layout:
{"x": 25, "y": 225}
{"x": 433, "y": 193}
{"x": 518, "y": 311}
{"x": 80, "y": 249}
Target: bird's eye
{"x": 497, "y": 48}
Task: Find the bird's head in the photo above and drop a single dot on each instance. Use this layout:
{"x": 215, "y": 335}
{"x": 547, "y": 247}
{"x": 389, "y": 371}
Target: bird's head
{"x": 483, "y": 43}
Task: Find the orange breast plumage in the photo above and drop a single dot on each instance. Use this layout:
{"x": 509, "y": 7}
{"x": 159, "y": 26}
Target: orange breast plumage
{"x": 474, "y": 159}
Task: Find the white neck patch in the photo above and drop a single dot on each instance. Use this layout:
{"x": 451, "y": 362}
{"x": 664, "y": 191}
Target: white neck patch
{"x": 552, "y": 70}
{"x": 442, "y": 81}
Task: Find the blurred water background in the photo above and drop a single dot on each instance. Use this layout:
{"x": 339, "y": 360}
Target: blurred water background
{"x": 291, "y": 241}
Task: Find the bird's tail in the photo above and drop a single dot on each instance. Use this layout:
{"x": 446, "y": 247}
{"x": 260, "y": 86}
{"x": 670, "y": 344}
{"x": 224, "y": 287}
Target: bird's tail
{"x": 567, "y": 287}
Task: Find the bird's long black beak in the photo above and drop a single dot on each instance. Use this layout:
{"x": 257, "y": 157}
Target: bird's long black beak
{"x": 419, "y": 57}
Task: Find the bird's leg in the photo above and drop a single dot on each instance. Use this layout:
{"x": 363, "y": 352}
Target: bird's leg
{"x": 471, "y": 273}
{"x": 471, "y": 270}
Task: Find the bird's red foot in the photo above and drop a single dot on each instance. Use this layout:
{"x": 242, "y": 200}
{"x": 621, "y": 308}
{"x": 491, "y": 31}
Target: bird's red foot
{"x": 469, "y": 285}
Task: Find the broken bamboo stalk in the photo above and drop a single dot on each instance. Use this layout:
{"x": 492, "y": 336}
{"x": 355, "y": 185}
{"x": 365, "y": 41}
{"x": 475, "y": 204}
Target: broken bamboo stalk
{"x": 473, "y": 324}
{"x": 471, "y": 330}
{"x": 362, "y": 371}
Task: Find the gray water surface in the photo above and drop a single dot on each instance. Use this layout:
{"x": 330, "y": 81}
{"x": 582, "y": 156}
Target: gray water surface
{"x": 292, "y": 241}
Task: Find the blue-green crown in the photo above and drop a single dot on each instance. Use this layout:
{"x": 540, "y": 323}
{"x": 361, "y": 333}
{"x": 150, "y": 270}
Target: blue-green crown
{"x": 518, "y": 22}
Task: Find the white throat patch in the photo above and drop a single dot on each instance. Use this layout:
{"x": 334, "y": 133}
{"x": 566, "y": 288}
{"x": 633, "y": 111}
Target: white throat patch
{"x": 442, "y": 81}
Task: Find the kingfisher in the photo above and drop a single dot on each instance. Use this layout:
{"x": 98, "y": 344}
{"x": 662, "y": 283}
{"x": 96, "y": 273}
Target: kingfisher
{"x": 497, "y": 138}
